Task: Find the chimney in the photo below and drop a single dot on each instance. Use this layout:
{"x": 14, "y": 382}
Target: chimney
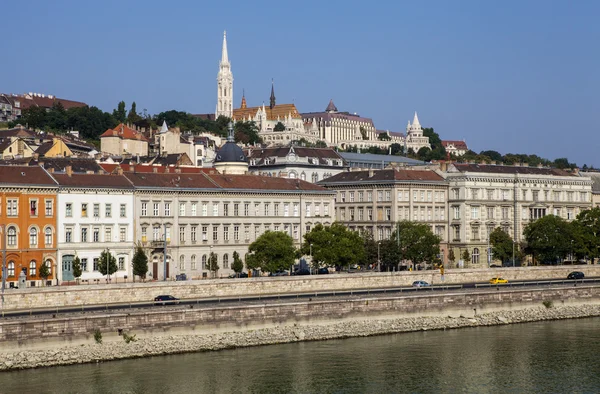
{"x": 517, "y": 164}
{"x": 540, "y": 165}
{"x": 131, "y": 167}
{"x": 443, "y": 166}
{"x": 178, "y": 170}
{"x": 119, "y": 170}
{"x": 371, "y": 173}
{"x": 51, "y": 170}
{"x": 525, "y": 164}
{"x": 576, "y": 171}
{"x": 69, "y": 170}
{"x": 155, "y": 170}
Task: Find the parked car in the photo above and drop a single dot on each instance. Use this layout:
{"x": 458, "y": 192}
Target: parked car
{"x": 576, "y": 275}
{"x": 420, "y": 283}
{"x": 495, "y": 266}
{"x": 322, "y": 271}
{"x": 165, "y": 300}
{"x": 301, "y": 272}
{"x": 497, "y": 281}
{"x": 279, "y": 273}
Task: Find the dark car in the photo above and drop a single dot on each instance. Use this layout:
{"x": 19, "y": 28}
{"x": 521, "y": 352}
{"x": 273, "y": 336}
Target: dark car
{"x": 495, "y": 266}
{"x": 165, "y": 300}
{"x": 322, "y": 271}
{"x": 303, "y": 271}
{"x": 279, "y": 273}
{"x": 576, "y": 275}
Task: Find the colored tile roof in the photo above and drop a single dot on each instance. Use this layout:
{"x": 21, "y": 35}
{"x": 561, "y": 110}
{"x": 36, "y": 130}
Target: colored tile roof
{"x": 184, "y": 181}
{"x": 279, "y": 110}
{"x": 133, "y": 167}
{"x": 25, "y": 175}
{"x": 93, "y": 180}
{"x": 58, "y": 164}
{"x": 124, "y": 132}
{"x": 457, "y": 144}
{"x": 387, "y": 175}
{"x": 498, "y": 169}
{"x": 17, "y": 132}
{"x": 255, "y": 182}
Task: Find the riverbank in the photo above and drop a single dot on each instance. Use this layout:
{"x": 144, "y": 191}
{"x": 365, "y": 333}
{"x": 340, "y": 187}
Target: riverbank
{"x": 173, "y": 344}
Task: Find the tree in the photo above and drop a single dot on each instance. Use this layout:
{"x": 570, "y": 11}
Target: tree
{"x": 587, "y": 232}
{"x": 370, "y": 247}
{"x": 77, "y": 271}
{"x": 271, "y": 252}
{"x": 132, "y": 116}
{"x": 238, "y": 265}
{"x": 107, "y": 264}
{"x": 451, "y": 256}
{"x": 384, "y": 137}
{"x": 502, "y": 245}
{"x": 334, "y": 246}
{"x": 56, "y": 118}
{"x": 320, "y": 144}
{"x": 417, "y": 243}
{"x": 492, "y": 154}
{"x": 119, "y": 114}
{"x": 44, "y": 271}
{"x": 397, "y": 149}
{"x": 279, "y": 127}
{"x": 247, "y": 133}
{"x": 34, "y": 117}
{"x": 140, "y": 263}
{"x": 549, "y": 239}
{"x": 213, "y": 264}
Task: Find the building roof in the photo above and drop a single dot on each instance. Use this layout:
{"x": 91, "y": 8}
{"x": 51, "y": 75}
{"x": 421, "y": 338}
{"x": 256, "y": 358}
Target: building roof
{"x": 260, "y": 154}
{"x": 500, "y": 169}
{"x": 161, "y": 181}
{"x": 331, "y": 107}
{"x": 25, "y": 175}
{"x": 387, "y": 175}
{"x": 462, "y": 145}
{"x": 58, "y": 164}
{"x": 595, "y": 180}
{"x": 44, "y": 101}
{"x": 18, "y": 131}
{"x": 327, "y": 116}
{"x": 230, "y": 153}
{"x": 44, "y": 148}
{"x": 124, "y": 132}
{"x": 145, "y": 168}
{"x": 373, "y": 158}
{"x": 279, "y": 111}
{"x": 93, "y": 180}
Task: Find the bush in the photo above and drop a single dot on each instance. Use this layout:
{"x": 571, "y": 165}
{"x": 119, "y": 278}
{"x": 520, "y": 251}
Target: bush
{"x": 98, "y": 336}
{"x": 548, "y": 304}
{"x": 129, "y": 338}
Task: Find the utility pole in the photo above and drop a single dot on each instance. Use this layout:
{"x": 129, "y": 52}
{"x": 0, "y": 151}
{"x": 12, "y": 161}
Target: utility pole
{"x": 378, "y": 258}
{"x": 165, "y": 251}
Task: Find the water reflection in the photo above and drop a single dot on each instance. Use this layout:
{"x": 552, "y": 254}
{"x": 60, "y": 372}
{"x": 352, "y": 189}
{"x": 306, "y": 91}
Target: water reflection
{"x": 551, "y": 357}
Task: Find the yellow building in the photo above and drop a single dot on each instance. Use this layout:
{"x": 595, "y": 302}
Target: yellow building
{"x": 54, "y": 148}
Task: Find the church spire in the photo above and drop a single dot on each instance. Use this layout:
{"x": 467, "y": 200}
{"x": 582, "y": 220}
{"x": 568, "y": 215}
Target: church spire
{"x": 272, "y": 101}
{"x": 224, "y": 57}
{"x": 224, "y": 84}
{"x": 416, "y": 120}
{"x": 243, "y": 99}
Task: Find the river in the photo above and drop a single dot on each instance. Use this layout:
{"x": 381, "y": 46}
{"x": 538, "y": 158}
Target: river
{"x": 547, "y": 357}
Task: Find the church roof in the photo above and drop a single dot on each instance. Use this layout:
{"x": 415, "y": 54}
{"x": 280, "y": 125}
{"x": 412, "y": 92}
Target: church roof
{"x": 331, "y": 107}
{"x": 230, "y": 153}
{"x": 279, "y": 110}
{"x": 456, "y": 144}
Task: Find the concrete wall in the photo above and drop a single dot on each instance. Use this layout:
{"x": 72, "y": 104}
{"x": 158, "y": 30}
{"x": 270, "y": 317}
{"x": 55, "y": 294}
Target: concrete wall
{"x": 209, "y": 320}
{"x": 144, "y": 292}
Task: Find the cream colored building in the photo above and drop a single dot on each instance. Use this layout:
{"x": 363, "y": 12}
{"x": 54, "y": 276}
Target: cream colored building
{"x": 375, "y": 200}
{"x": 124, "y": 140}
{"x": 595, "y": 176}
{"x": 483, "y": 197}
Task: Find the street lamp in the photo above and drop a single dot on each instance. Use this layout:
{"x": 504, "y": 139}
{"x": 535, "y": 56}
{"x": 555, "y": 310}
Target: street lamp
{"x": 107, "y": 265}
{"x": 378, "y": 257}
{"x": 311, "y": 262}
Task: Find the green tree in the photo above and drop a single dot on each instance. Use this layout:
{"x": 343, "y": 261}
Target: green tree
{"x": 140, "y": 263}
{"x": 438, "y": 152}
{"x": 44, "y": 271}
{"x": 34, "y": 117}
{"x": 56, "y": 118}
{"x": 416, "y": 242}
{"x": 397, "y": 149}
{"x": 238, "y": 265}
{"x": 502, "y": 245}
{"x": 77, "y": 271}
{"x": 132, "y": 116}
{"x": 587, "y": 233}
{"x": 107, "y": 264}
{"x": 320, "y": 144}
{"x": 451, "y": 256}
{"x": 466, "y": 256}
{"x": 384, "y": 137}
{"x": 492, "y": 155}
{"x": 279, "y": 127}
{"x": 334, "y": 246}
{"x": 271, "y": 252}
{"x": 549, "y": 239}
{"x": 370, "y": 247}
{"x": 120, "y": 114}
{"x": 213, "y": 264}
{"x": 91, "y": 122}
{"x": 247, "y": 133}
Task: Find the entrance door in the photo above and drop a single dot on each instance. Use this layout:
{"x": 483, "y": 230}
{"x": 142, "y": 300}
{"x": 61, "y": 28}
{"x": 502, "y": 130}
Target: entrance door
{"x": 67, "y": 267}
{"x": 155, "y": 270}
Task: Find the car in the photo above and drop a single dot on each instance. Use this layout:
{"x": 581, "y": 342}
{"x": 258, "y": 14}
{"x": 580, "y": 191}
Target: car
{"x": 165, "y": 300}
{"x": 322, "y": 271}
{"x": 420, "y": 283}
{"x": 498, "y": 281}
{"x": 495, "y": 266}
{"x": 301, "y": 272}
{"x": 279, "y": 273}
{"x": 576, "y": 275}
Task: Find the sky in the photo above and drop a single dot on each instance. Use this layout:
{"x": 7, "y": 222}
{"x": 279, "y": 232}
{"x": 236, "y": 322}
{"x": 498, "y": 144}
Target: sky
{"x": 511, "y": 76}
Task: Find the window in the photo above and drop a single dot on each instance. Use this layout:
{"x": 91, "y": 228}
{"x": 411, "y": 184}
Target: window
{"x": 296, "y": 231}
{"x": 68, "y": 235}
{"x": 351, "y": 194}
{"x": 84, "y": 266}
{"x": 108, "y": 234}
{"x": 457, "y": 233}
{"x": 144, "y": 233}
{"x": 215, "y": 209}
{"x": 361, "y": 196}
{"x": 121, "y": 264}
{"x": 33, "y": 237}
{"x": 369, "y": 214}
{"x": 236, "y": 209}
{"x": 84, "y": 210}
{"x": 505, "y": 194}
{"x": 475, "y": 256}
{"x": 203, "y": 261}
{"x": 490, "y": 212}
{"x": 256, "y": 231}
{"x": 193, "y": 234}
{"x": 96, "y": 211}
{"x": 490, "y": 194}
{"x": 504, "y": 213}
{"x": 307, "y": 210}
{"x": 215, "y": 233}
{"x": 181, "y": 234}
{"x": 342, "y": 196}
{"x": 536, "y": 195}
{"x": 422, "y": 196}
{"x": 317, "y": 209}
{"x": 144, "y": 208}
{"x": 204, "y": 233}
{"x": 181, "y": 209}
{"x": 388, "y": 195}
{"x": 33, "y": 207}
{"x": 342, "y": 214}
{"x": 369, "y": 196}
{"x": 11, "y": 268}
{"x": 84, "y": 234}
{"x": 388, "y": 214}
{"x": 123, "y": 210}
{"x": 205, "y": 209}
{"x": 236, "y": 233}
{"x": 475, "y": 233}
{"x": 442, "y": 213}
{"x": 351, "y": 214}
{"x": 32, "y": 268}
{"x": 96, "y": 235}
{"x": 48, "y": 236}
{"x": 379, "y": 195}
{"x": 194, "y": 209}
{"x": 226, "y": 261}
{"x": 475, "y": 194}
{"x": 474, "y": 212}
{"x": 108, "y": 210}
{"x": 68, "y": 209}
{"x": 429, "y": 195}
{"x": 286, "y": 209}
{"x": 155, "y": 209}
{"x": 193, "y": 262}
{"x": 48, "y": 207}
{"x": 557, "y": 212}
{"x": 246, "y": 209}
{"x": 276, "y": 209}
{"x": 455, "y": 193}
{"x": 456, "y": 212}
{"x": 267, "y": 205}
{"x": 570, "y": 214}
{"x": 326, "y": 209}
{"x": 226, "y": 233}
{"x": 181, "y": 263}
{"x": 95, "y": 263}
{"x": 156, "y": 233}
{"x": 296, "y": 209}
{"x": 167, "y": 209}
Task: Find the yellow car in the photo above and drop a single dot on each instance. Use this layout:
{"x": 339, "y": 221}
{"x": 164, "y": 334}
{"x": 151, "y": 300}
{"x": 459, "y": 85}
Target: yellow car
{"x": 497, "y": 281}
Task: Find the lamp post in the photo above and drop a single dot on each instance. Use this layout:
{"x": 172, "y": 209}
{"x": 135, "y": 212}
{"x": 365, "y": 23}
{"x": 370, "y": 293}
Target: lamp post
{"x": 165, "y": 252}
{"x": 3, "y": 265}
{"x": 378, "y": 257}
{"x": 107, "y": 265}
{"x": 310, "y": 254}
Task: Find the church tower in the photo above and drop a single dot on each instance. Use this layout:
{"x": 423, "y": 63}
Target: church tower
{"x": 224, "y": 84}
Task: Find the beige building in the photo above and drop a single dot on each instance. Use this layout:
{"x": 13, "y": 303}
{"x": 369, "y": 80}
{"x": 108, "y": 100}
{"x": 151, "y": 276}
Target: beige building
{"x": 483, "y": 197}
{"x": 375, "y": 200}
{"x": 124, "y": 140}
{"x": 595, "y": 176}
{"x": 14, "y": 148}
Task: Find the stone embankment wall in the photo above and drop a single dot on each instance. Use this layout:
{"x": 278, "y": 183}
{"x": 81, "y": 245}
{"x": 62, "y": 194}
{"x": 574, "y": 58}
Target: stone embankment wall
{"x": 59, "y": 296}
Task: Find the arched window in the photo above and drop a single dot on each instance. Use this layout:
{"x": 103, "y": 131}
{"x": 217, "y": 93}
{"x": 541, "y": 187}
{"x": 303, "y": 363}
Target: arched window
{"x": 12, "y": 236}
{"x": 49, "y": 265}
{"x": 33, "y": 236}
{"x": 292, "y": 175}
{"x": 303, "y": 176}
{"x": 475, "y": 256}
{"x": 226, "y": 261}
{"x": 194, "y": 267}
{"x": 48, "y": 236}
{"x": 32, "y": 268}
{"x": 203, "y": 261}
{"x": 181, "y": 263}
{"x": 11, "y": 268}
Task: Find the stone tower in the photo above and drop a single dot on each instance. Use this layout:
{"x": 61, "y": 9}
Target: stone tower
{"x": 224, "y": 84}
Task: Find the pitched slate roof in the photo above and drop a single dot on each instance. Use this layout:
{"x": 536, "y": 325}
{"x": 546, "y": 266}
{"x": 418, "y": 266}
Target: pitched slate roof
{"x": 279, "y": 110}
{"x": 93, "y": 180}
{"x": 124, "y": 132}
{"x": 254, "y": 182}
{"x": 162, "y": 181}
{"x": 143, "y": 168}
{"x": 595, "y": 179}
{"x": 498, "y": 169}
{"x": 25, "y": 175}
{"x": 260, "y": 154}
{"x": 457, "y": 144}
{"x": 17, "y": 132}
{"x": 387, "y": 175}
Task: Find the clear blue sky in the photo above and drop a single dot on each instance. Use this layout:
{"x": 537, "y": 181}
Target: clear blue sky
{"x": 512, "y": 76}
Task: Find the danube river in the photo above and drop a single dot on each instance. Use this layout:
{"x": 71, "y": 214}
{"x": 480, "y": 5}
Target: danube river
{"x": 549, "y": 357}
